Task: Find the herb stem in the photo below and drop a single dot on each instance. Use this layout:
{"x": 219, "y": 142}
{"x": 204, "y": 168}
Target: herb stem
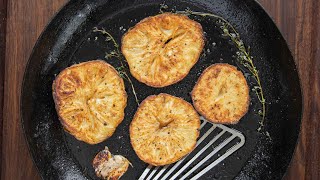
{"x": 117, "y": 54}
{"x": 133, "y": 89}
{"x": 103, "y": 31}
{"x": 243, "y": 55}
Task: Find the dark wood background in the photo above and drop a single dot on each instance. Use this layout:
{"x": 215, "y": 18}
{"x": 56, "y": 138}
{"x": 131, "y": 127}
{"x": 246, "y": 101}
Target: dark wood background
{"x": 21, "y": 22}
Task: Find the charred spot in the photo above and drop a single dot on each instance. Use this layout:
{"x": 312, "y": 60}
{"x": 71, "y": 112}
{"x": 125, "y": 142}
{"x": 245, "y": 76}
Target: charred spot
{"x": 168, "y": 41}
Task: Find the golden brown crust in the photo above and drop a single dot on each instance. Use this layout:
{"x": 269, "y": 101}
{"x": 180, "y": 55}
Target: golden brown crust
{"x": 90, "y": 99}
{"x": 164, "y": 129}
{"x": 221, "y": 94}
{"x": 162, "y": 49}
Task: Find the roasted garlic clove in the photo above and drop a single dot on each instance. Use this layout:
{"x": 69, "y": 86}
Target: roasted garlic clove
{"x": 108, "y": 166}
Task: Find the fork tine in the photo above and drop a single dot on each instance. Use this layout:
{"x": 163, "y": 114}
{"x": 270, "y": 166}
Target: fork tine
{"x": 179, "y": 162}
{"x": 221, "y": 158}
{"x": 152, "y": 173}
{"x": 145, "y": 172}
{"x": 216, "y": 149}
{"x": 197, "y": 155}
{"x": 161, "y": 172}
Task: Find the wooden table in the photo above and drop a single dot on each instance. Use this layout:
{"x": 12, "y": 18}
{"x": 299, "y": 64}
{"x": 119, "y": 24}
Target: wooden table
{"x": 298, "y": 20}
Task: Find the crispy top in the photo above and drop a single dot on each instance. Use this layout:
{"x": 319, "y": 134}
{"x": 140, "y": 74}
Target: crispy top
{"x": 162, "y": 49}
{"x": 90, "y": 99}
{"x": 221, "y": 94}
{"x": 164, "y": 129}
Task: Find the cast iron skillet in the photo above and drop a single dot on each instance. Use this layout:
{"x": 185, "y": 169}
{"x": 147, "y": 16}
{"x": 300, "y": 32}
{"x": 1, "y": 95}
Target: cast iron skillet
{"x": 69, "y": 39}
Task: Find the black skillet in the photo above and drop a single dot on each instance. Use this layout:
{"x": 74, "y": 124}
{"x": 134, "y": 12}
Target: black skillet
{"x": 69, "y": 39}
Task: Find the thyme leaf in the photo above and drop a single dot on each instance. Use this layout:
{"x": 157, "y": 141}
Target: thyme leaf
{"x": 163, "y": 8}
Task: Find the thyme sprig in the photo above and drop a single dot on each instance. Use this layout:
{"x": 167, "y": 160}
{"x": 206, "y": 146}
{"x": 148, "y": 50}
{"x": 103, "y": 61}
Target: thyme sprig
{"x": 116, "y": 53}
{"x": 245, "y": 59}
{"x": 163, "y": 8}
{"x": 243, "y": 56}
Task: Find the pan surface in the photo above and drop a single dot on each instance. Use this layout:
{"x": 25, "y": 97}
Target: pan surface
{"x": 69, "y": 39}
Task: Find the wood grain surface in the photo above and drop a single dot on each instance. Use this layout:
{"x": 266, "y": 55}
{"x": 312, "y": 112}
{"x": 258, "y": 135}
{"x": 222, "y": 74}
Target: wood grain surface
{"x": 3, "y": 25}
{"x": 298, "y": 20}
